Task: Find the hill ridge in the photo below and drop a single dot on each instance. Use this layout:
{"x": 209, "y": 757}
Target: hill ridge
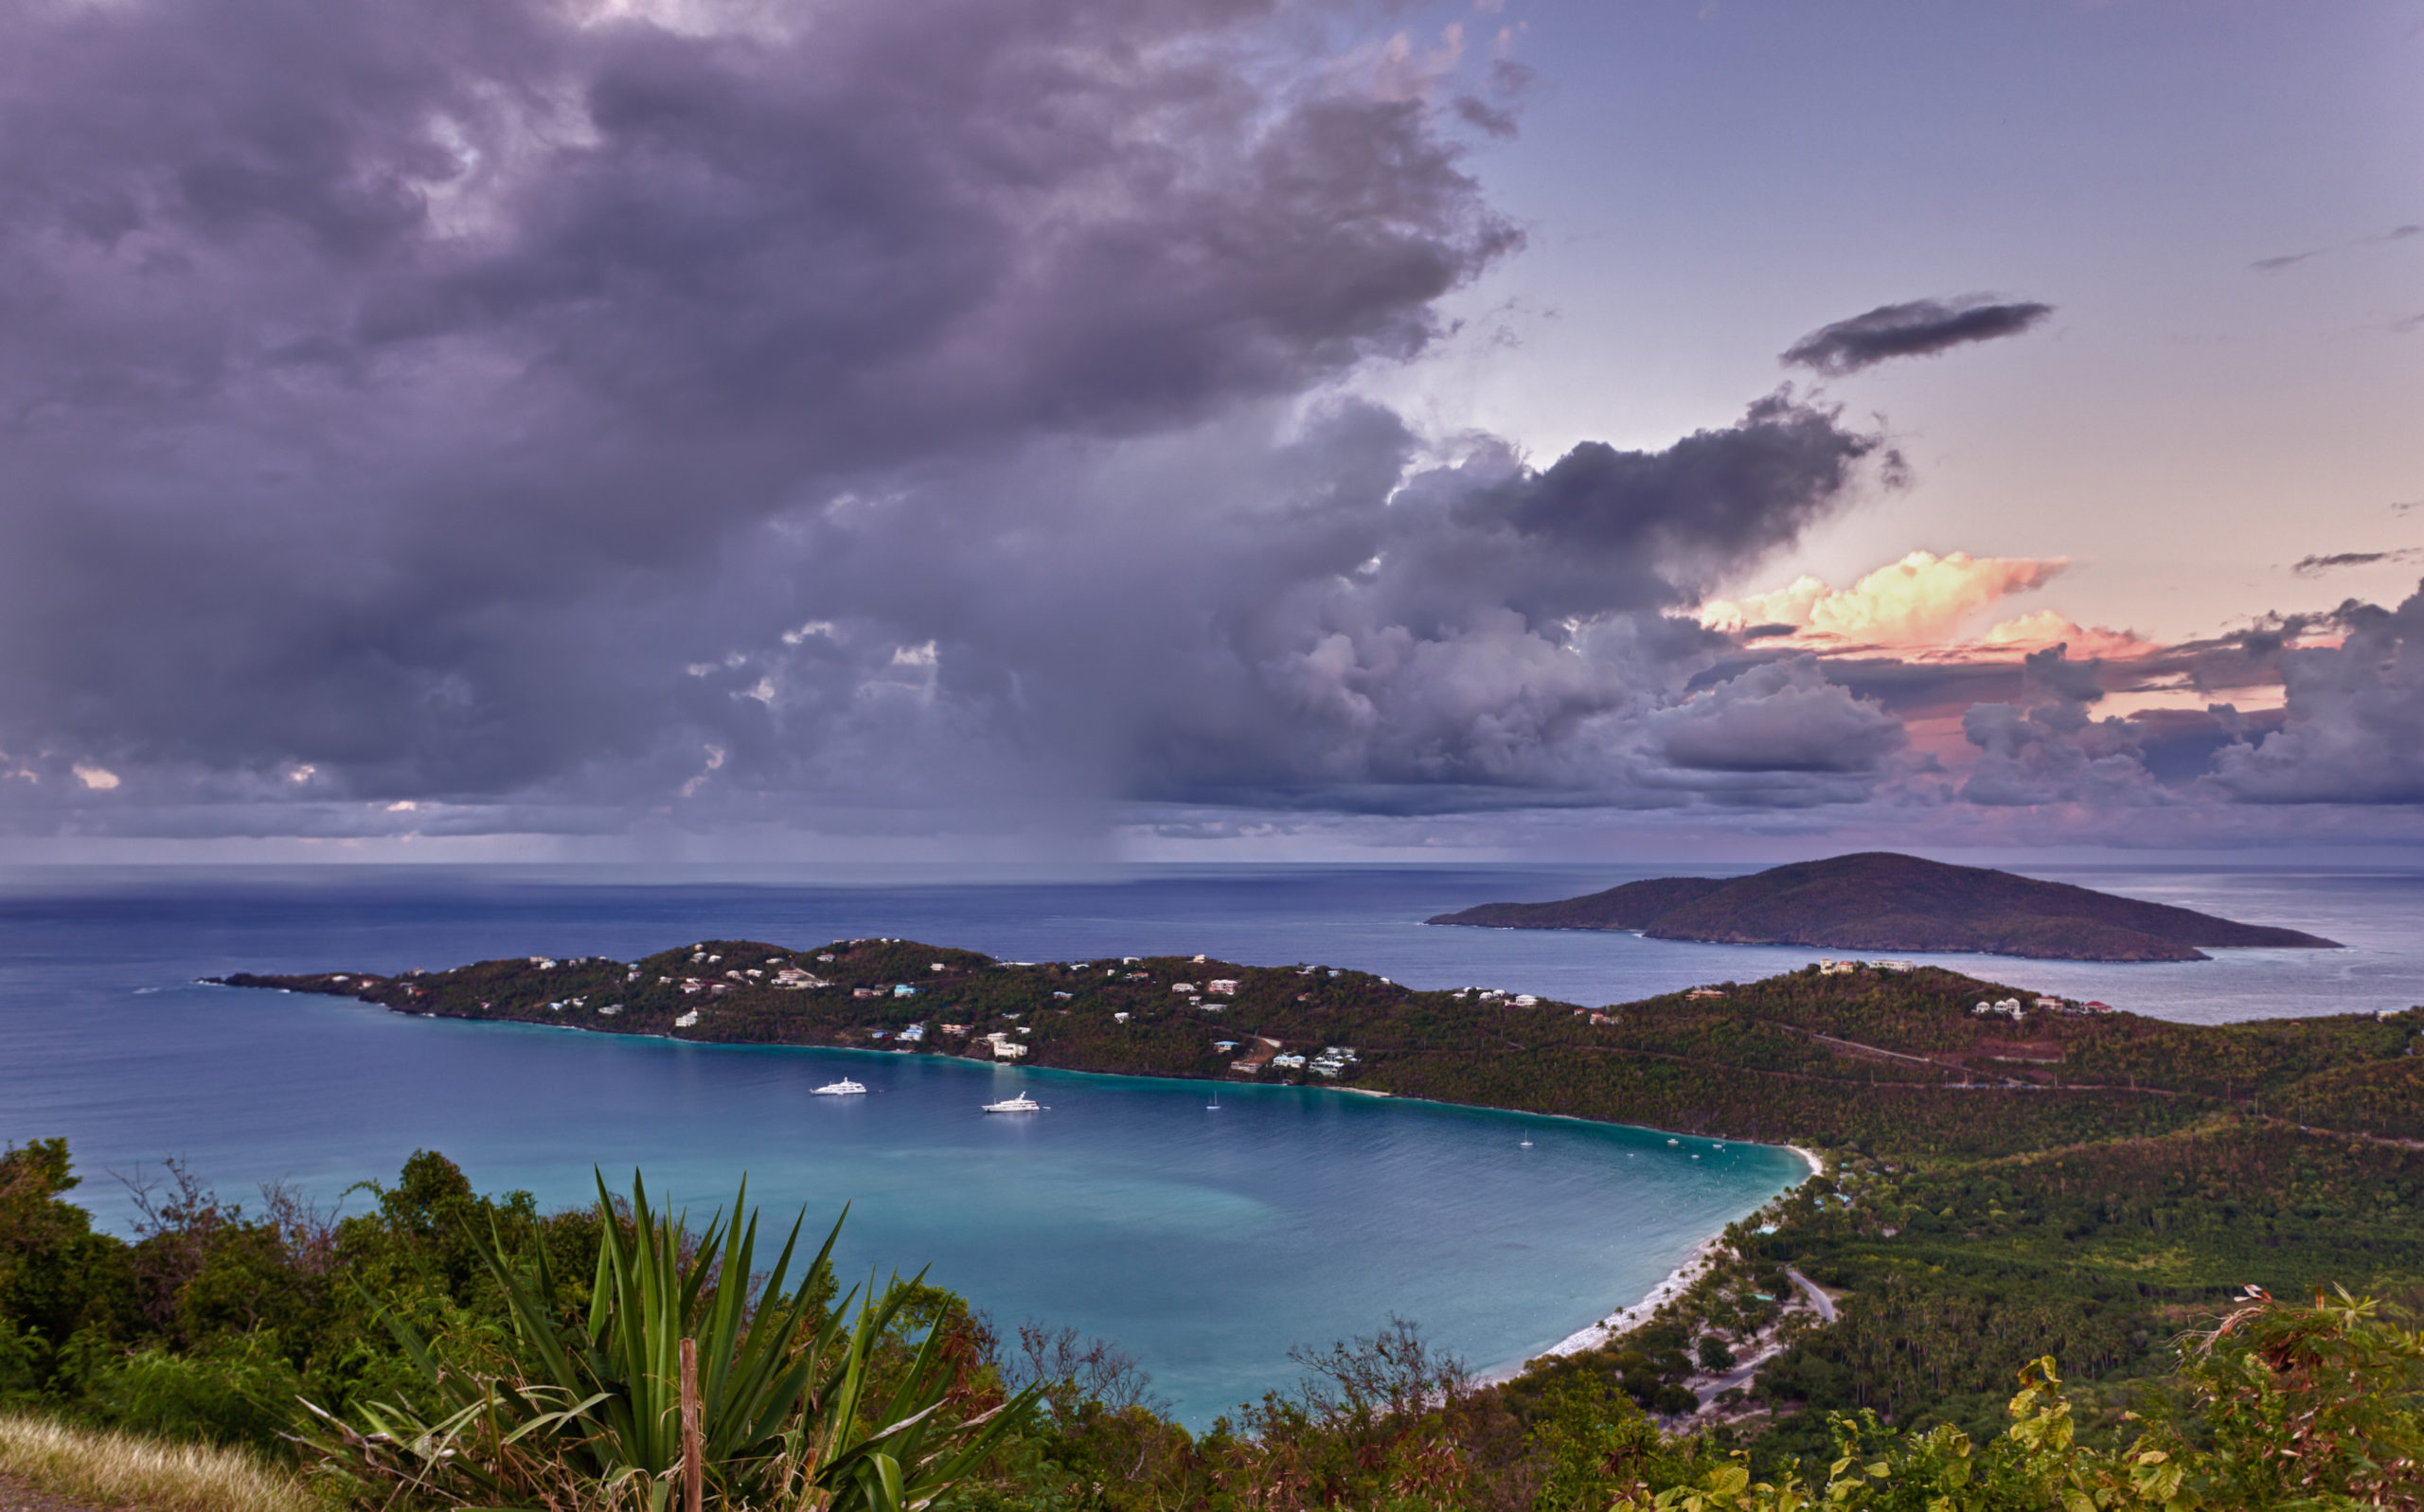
{"x": 1884, "y": 901}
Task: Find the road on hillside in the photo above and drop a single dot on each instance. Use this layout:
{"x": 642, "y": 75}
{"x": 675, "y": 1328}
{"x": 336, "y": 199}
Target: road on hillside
{"x": 1818, "y": 1298}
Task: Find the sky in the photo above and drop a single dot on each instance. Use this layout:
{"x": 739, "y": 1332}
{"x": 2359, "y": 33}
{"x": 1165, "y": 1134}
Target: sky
{"x": 1053, "y": 431}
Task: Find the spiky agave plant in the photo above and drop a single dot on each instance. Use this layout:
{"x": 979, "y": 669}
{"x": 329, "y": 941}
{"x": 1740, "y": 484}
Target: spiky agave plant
{"x": 788, "y": 1409}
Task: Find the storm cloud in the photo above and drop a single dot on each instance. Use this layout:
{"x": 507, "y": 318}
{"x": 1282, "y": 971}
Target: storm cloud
{"x": 1919, "y": 328}
{"x": 2353, "y": 725}
{"x": 539, "y": 416}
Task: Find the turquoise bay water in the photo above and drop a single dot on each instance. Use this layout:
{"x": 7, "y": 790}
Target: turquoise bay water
{"x": 1205, "y": 1243}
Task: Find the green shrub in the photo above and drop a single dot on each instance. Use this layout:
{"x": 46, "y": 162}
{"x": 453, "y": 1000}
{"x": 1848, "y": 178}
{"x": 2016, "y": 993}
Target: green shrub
{"x": 793, "y": 1399}
{"x": 238, "y": 1391}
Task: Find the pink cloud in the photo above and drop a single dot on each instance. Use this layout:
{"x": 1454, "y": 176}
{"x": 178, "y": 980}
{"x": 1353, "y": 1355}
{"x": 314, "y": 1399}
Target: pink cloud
{"x": 1921, "y": 601}
{"x": 2048, "y": 628}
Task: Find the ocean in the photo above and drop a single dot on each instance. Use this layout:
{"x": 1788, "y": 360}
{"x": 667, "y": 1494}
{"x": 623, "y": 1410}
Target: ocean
{"x": 1207, "y": 1244}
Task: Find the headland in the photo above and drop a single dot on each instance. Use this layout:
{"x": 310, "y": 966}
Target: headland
{"x": 1879, "y": 900}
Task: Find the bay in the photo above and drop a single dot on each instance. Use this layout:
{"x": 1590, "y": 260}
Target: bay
{"x": 1205, "y": 1243}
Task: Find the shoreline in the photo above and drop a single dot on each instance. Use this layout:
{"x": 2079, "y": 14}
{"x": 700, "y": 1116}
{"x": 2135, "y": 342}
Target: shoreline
{"x": 1597, "y": 1334}
{"x": 1674, "y": 1284}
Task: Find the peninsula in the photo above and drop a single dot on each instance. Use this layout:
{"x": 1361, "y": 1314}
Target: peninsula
{"x": 1879, "y": 900}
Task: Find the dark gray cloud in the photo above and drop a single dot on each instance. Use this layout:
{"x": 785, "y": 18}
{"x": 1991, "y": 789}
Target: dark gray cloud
{"x": 2310, "y": 566}
{"x": 1785, "y": 717}
{"x": 1919, "y": 328}
{"x": 1259, "y": 610}
{"x": 2052, "y": 671}
{"x": 386, "y": 392}
{"x": 2284, "y": 262}
{"x": 2053, "y": 754}
{"x": 2352, "y": 728}
{"x": 2052, "y": 750}
{"x": 511, "y": 418}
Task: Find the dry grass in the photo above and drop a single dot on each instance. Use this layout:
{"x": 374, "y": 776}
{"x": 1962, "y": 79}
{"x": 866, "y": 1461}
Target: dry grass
{"x": 118, "y": 1470}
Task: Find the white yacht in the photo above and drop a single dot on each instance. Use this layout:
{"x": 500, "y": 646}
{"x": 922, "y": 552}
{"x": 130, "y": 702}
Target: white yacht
{"x": 844, "y": 1088}
{"x": 1020, "y": 1104}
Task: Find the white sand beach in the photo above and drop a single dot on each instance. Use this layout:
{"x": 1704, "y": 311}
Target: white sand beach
{"x": 1677, "y": 1281}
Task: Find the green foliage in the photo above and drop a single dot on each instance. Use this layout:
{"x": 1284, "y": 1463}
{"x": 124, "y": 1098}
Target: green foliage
{"x": 2322, "y": 1404}
{"x": 2313, "y": 1408}
{"x": 1597, "y": 1444}
{"x": 791, "y": 1395}
{"x": 238, "y": 1390}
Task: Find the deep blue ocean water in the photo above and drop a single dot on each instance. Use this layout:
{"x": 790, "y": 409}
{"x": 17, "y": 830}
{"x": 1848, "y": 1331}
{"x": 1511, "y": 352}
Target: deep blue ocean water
{"x": 1205, "y": 1243}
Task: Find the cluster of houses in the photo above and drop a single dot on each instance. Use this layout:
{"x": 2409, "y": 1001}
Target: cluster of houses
{"x": 559, "y": 1006}
{"x": 2013, "y": 1009}
{"x": 1219, "y": 986}
{"x": 1332, "y": 1061}
{"x": 1259, "y": 1054}
{"x": 1826, "y": 968}
{"x": 1491, "y": 994}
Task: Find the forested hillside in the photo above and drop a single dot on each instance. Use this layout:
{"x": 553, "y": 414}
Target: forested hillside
{"x": 2035, "y": 1177}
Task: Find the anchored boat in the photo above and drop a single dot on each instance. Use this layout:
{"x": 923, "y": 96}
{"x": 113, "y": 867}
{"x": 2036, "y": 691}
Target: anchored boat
{"x": 1020, "y": 1104}
{"x": 844, "y": 1088}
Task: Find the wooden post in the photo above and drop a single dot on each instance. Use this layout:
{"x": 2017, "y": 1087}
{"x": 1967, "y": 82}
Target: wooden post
{"x": 693, "y": 1472}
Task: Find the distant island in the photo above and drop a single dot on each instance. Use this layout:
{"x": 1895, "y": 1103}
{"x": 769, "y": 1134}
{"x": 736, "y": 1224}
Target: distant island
{"x": 1879, "y": 900}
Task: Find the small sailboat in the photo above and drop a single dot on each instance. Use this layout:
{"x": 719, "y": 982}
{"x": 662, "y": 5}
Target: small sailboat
{"x": 1215, "y": 1104}
{"x": 1020, "y": 1104}
{"x": 1527, "y": 1145}
{"x": 844, "y": 1088}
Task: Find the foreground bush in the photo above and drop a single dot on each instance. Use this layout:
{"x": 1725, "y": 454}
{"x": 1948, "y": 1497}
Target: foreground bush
{"x": 469, "y": 1351}
{"x": 779, "y": 1401}
{"x": 2319, "y": 1409}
